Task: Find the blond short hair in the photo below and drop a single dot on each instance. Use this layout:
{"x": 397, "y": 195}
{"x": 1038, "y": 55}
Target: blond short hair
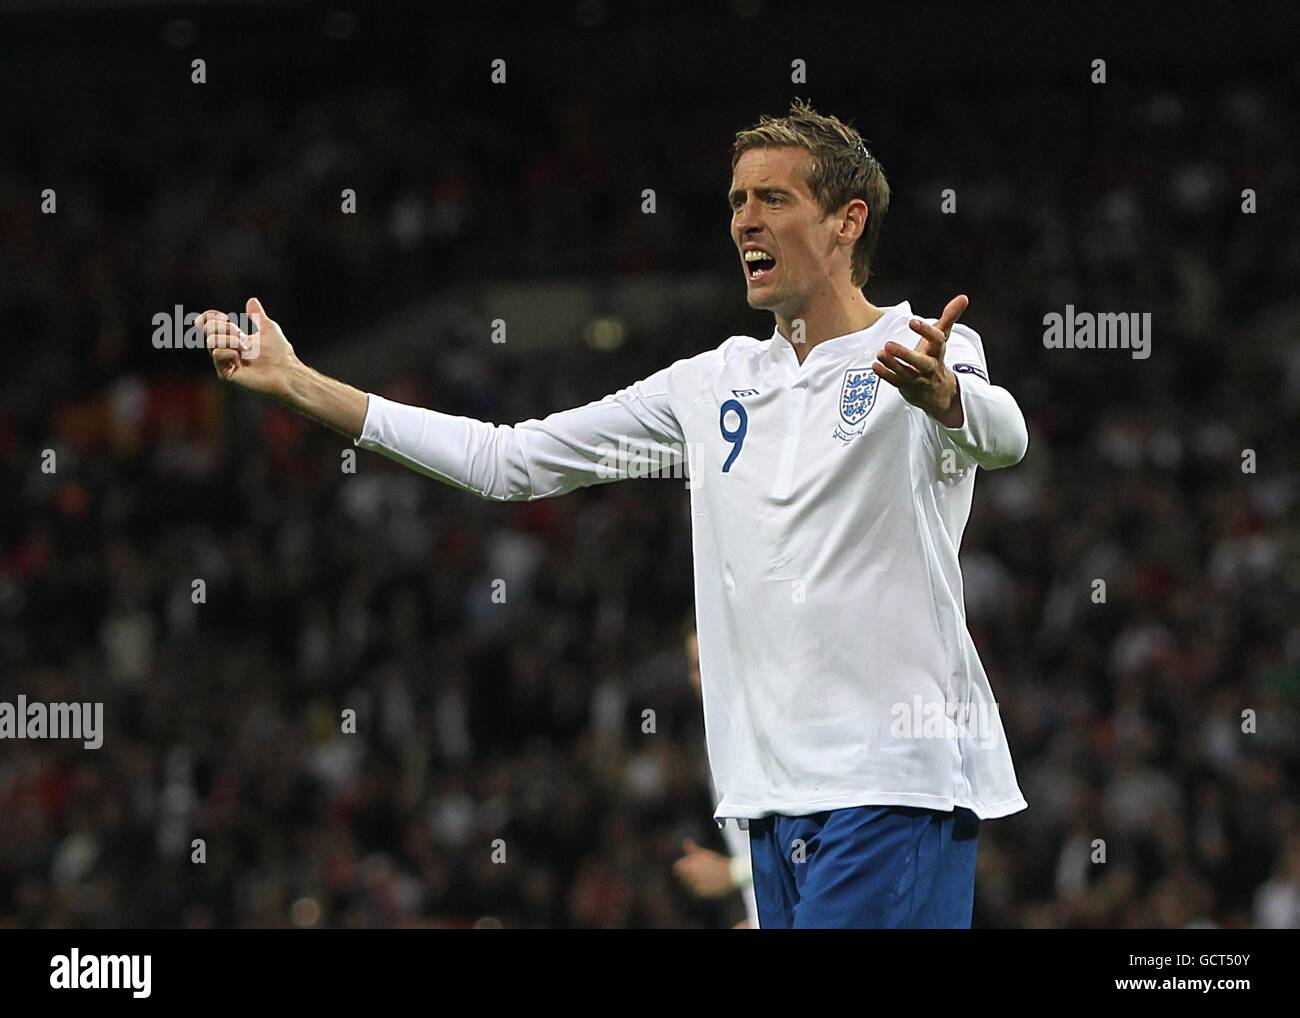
{"x": 842, "y": 169}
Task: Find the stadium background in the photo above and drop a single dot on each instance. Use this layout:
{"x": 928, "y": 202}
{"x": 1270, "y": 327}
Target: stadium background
{"x": 522, "y": 201}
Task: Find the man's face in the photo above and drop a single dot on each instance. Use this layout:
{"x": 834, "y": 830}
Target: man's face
{"x": 774, "y": 213}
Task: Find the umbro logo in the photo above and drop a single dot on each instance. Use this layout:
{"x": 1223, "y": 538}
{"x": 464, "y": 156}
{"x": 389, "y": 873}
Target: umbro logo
{"x": 744, "y": 392}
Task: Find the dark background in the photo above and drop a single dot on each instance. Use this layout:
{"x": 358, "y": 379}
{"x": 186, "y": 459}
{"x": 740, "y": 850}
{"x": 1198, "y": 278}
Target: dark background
{"x": 372, "y": 591}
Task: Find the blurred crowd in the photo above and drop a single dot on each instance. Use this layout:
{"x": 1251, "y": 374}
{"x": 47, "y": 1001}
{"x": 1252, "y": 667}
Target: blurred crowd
{"x": 499, "y": 660}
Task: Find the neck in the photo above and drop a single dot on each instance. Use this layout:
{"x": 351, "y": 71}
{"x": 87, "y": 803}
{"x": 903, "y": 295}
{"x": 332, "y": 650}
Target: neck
{"x": 825, "y": 319}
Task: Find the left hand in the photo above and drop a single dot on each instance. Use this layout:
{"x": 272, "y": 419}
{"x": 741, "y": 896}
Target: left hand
{"x": 920, "y": 375}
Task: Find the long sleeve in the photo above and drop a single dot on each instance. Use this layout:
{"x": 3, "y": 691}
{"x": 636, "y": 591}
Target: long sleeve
{"x": 603, "y": 441}
{"x": 993, "y": 432}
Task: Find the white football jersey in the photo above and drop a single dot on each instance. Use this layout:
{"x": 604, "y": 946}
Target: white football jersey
{"x": 827, "y": 513}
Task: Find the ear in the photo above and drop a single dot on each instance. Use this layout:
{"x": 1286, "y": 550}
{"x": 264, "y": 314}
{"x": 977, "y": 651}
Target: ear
{"x": 853, "y": 221}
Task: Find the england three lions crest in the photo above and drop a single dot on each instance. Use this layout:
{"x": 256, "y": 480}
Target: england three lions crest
{"x": 858, "y": 395}
{"x": 856, "y": 400}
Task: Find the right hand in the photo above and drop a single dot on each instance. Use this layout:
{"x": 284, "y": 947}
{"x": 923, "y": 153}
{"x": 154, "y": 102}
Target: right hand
{"x": 261, "y": 362}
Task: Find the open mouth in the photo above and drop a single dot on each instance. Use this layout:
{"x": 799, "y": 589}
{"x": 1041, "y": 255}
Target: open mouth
{"x": 758, "y": 264}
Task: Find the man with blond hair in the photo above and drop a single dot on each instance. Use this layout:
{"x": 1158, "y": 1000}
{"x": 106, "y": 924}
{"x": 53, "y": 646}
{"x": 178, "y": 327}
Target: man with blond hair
{"x": 849, "y": 721}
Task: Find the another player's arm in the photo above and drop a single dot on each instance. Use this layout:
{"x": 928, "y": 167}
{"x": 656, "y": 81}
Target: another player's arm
{"x": 534, "y": 459}
{"x": 712, "y": 874}
{"x": 981, "y": 420}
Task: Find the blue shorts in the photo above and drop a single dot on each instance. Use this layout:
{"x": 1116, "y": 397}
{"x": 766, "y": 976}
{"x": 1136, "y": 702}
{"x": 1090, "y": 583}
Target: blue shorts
{"x": 865, "y": 867}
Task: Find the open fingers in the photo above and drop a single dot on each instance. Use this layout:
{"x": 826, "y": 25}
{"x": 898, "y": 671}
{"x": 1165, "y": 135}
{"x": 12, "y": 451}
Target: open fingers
{"x": 952, "y": 312}
{"x": 934, "y": 336}
{"x": 894, "y": 376}
{"x": 920, "y": 362}
{"x": 902, "y": 371}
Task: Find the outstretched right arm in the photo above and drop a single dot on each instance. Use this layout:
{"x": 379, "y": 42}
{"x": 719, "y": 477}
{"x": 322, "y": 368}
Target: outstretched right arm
{"x": 592, "y": 444}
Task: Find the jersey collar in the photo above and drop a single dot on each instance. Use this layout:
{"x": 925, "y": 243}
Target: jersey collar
{"x": 781, "y": 350}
